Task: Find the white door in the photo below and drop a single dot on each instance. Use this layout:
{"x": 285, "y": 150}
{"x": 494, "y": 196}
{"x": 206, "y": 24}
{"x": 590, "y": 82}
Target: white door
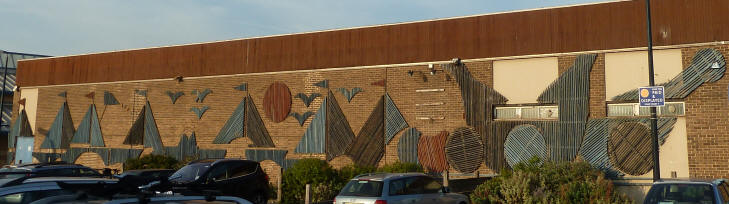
{"x": 24, "y": 150}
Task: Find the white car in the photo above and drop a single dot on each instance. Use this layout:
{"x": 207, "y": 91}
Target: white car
{"x": 397, "y": 188}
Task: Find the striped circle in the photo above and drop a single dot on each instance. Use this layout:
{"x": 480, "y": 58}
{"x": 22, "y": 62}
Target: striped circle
{"x": 523, "y": 143}
{"x": 464, "y": 150}
{"x": 629, "y": 147}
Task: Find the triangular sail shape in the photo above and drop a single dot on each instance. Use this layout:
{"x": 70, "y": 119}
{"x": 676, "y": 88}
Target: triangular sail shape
{"x": 313, "y": 140}
{"x": 21, "y": 128}
{"x": 255, "y": 129}
{"x": 394, "y": 121}
{"x": 144, "y": 131}
{"x": 61, "y": 130}
{"x": 339, "y": 133}
{"x": 234, "y": 127}
{"x": 369, "y": 146}
{"x": 89, "y": 131}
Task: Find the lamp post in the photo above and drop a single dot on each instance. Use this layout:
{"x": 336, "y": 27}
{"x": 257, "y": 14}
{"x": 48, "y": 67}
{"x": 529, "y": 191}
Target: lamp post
{"x": 651, "y": 82}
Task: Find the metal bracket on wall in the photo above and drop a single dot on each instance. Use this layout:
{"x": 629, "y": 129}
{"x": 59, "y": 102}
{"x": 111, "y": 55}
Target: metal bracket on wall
{"x": 429, "y": 90}
{"x": 430, "y": 118}
{"x": 430, "y": 104}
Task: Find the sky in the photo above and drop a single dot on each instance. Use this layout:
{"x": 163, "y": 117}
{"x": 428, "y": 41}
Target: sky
{"x": 73, "y": 27}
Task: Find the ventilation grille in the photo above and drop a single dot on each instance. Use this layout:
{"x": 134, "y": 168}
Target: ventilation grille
{"x": 527, "y": 113}
{"x": 634, "y": 109}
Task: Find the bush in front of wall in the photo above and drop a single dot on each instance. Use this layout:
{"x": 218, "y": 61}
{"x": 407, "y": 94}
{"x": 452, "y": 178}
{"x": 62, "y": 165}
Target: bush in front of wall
{"x": 322, "y": 177}
{"x": 152, "y": 161}
{"x": 548, "y": 182}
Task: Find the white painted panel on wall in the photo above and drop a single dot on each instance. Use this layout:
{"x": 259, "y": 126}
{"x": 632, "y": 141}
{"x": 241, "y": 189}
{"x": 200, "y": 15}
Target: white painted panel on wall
{"x": 625, "y": 71}
{"x": 522, "y": 80}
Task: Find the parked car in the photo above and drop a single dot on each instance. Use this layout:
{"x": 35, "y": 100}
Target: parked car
{"x": 688, "y": 191}
{"x": 64, "y": 199}
{"x": 147, "y": 175}
{"x": 27, "y": 189}
{"x": 62, "y": 169}
{"x": 228, "y": 177}
{"x": 394, "y": 188}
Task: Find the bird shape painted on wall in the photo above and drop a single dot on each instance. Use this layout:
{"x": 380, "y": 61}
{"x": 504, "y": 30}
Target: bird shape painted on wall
{"x": 141, "y": 92}
{"x": 302, "y": 117}
{"x": 62, "y": 94}
{"x": 201, "y": 94}
{"x": 199, "y": 111}
{"x": 109, "y": 99}
{"x": 307, "y": 99}
{"x": 350, "y": 94}
{"x": 322, "y": 84}
{"x": 174, "y": 96}
{"x": 242, "y": 87}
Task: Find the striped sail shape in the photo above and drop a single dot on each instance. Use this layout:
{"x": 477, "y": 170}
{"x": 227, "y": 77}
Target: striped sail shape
{"x": 89, "y": 131}
{"x": 394, "y": 121}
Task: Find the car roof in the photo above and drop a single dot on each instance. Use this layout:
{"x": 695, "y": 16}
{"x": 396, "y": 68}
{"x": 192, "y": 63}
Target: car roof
{"x": 385, "y": 176}
{"x": 690, "y": 181}
{"x": 68, "y": 179}
{"x": 215, "y": 161}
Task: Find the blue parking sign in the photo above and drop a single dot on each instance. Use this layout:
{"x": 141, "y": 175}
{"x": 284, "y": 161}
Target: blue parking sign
{"x": 651, "y": 96}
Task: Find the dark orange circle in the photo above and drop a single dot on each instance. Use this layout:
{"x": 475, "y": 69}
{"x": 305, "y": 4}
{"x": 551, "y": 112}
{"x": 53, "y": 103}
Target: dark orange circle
{"x": 277, "y": 102}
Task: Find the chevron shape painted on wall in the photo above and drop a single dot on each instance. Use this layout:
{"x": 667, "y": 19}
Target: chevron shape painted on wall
{"x": 307, "y": 99}
{"x": 61, "y": 130}
{"x": 200, "y": 95}
{"x": 349, "y": 94}
{"x": 302, "y": 117}
{"x": 174, "y": 96}
{"x": 199, "y": 111}
{"x": 89, "y": 131}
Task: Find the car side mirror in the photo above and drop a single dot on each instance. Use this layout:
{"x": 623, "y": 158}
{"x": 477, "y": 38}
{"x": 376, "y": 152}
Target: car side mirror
{"x": 445, "y": 189}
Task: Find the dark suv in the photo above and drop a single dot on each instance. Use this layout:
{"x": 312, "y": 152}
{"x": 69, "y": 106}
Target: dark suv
{"x": 48, "y": 169}
{"x": 228, "y": 177}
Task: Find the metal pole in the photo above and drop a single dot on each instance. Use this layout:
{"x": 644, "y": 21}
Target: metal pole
{"x": 654, "y": 117}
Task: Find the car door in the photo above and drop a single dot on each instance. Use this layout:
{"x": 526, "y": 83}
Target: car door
{"x": 404, "y": 191}
{"x": 431, "y": 192}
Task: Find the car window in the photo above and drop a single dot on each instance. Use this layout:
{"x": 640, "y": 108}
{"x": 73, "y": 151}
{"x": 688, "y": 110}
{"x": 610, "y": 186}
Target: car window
{"x": 431, "y": 185}
{"x": 680, "y": 193}
{"x": 189, "y": 173}
{"x": 85, "y": 172}
{"x": 242, "y": 169}
{"x": 407, "y": 186}
{"x": 364, "y": 188}
{"x": 28, "y": 197}
{"x": 219, "y": 172}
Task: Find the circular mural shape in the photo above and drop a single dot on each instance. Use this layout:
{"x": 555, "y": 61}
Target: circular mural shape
{"x": 277, "y": 102}
{"x": 431, "y": 152}
{"x": 629, "y": 147}
{"x": 523, "y": 143}
{"x": 407, "y": 147}
{"x": 464, "y": 150}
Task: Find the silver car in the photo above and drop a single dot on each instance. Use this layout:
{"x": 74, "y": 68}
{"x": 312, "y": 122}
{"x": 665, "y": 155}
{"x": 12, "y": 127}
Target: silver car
{"x": 396, "y": 188}
{"x": 26, "y": 190}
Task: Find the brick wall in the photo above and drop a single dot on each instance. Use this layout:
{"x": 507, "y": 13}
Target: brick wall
{"x": 707, "y": 118}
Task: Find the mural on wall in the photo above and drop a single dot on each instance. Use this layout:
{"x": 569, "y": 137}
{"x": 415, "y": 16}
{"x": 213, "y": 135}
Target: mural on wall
{"x": 322, "y": 84}
{"x": 61, "y": 131}
{"x": 407, "y": 147}
{"x": 141, "y": 92}
{"x": 241, "y": 87}
{"x": 144, "y": 131}
{"x": 109, "y": 99}
{"x": 349, "y": 94}
{"x": 245, "y": 121}
{"x": 275, "y": 155}
{"x": 89, "y": 131}
{"x": 478, "y": 102}
{"x": 200, "y": 95}
{"x": 431, "y": 152}
{"x": 523, "y": 143}
{"x": 369, "y": 145}
{"x": 187, "y": 148}
{"x": 21, "y": 128}
{"x": 394, "y": 121}
{"x": 378, "y": 83}
{"x": 329, "y": 132}
{"x": 301, "y": 118}
{"x": 307, "y": 99}
{"x": 199, "y": 111}
{"x": 464, "y": 149}
{"x": 174, "y": 95}
{"x": 277, "y": 102}
{"x": 708, "y": 65}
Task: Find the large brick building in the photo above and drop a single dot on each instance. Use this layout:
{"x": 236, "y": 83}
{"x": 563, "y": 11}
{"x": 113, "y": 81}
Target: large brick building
{"x": 556, "y": 83}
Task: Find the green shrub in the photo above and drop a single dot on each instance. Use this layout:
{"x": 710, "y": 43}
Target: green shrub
{"x": 548, "y": 182}
{"x": 350, "y": 171}
{"x": 152, "y": 161}
{"x": 323, "y": 178}
{"x": 401, "y": 167}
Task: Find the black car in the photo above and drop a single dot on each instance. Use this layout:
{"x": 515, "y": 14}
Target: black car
{"x": 147, "y": 175}
{"x": 226, "y": 177}
{"x": 48, "y": 169}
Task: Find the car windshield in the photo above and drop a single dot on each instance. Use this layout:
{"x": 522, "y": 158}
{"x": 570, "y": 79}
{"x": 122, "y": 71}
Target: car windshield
{"x": 189, "y": 173}
{"x": 364, "y": 188}
{"x": 680, "y": 193}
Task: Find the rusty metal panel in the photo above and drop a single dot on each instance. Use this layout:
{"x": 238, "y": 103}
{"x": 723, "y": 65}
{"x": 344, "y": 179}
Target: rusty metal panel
{"x": 431, "y": 152}
{"x": 255, "y": 129}
{"x": 464, "y": 150}
{"x": 277, "y": 102}
{"x": 369, "y": 145}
